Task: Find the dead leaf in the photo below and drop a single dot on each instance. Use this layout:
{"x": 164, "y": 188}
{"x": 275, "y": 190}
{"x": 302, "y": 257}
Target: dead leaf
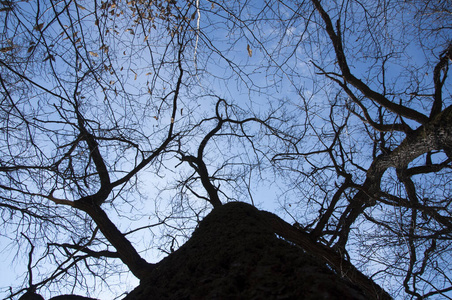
{"x": 250, "y": 51}
{"x": 93, "y": 54}
{"x": 6, "y": 49}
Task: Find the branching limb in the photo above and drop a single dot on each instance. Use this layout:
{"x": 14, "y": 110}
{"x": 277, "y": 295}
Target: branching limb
{"x": 442, "y": 65}
{"x": 336, "y": 39}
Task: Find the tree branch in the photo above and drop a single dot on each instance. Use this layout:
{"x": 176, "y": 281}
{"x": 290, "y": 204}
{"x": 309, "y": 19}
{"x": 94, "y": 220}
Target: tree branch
{"x": 350, "y": 78}
{"x": 435, "y": 135}
{"x": 442, "y": 65}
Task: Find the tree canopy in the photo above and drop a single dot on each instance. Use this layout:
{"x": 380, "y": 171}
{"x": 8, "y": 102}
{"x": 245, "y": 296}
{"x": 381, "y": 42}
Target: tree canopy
{"x": 123, "y": 123}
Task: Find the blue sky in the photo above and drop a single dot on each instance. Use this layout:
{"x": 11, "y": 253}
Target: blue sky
{"x": 261, "y": 63}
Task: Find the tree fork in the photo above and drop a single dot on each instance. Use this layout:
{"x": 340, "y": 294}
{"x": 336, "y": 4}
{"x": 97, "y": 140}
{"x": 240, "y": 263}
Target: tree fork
{"x": 435, "y": 135}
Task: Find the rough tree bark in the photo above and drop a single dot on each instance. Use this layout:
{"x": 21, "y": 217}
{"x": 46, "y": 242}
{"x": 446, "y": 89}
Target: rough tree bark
{"x": 240, "y": 252}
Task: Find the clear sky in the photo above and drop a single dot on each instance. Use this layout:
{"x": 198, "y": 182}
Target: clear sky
{"x": 124, "y": 74}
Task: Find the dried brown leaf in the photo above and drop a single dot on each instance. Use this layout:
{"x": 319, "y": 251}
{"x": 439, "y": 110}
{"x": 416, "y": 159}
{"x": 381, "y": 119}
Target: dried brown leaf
{"x": 250, "y": 51}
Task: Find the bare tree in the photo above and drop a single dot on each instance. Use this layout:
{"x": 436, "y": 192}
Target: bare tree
{"x": 373, "y": 167}
{"x": 367, "y": 160}
{"x": 75, "y": 131}
{"x": 123, "y": 124}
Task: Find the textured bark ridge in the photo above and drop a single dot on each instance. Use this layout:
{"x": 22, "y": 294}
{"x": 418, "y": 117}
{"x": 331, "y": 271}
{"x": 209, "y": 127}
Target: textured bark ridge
{"x": 235, "y": 254}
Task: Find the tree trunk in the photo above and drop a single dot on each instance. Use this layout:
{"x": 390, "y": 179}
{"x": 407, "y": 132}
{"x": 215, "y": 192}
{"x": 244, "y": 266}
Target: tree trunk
{"x": 235, "y": 254}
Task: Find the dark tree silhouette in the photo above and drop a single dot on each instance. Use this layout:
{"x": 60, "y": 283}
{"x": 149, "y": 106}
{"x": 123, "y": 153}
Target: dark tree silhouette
{"x": 124, "y": 124}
